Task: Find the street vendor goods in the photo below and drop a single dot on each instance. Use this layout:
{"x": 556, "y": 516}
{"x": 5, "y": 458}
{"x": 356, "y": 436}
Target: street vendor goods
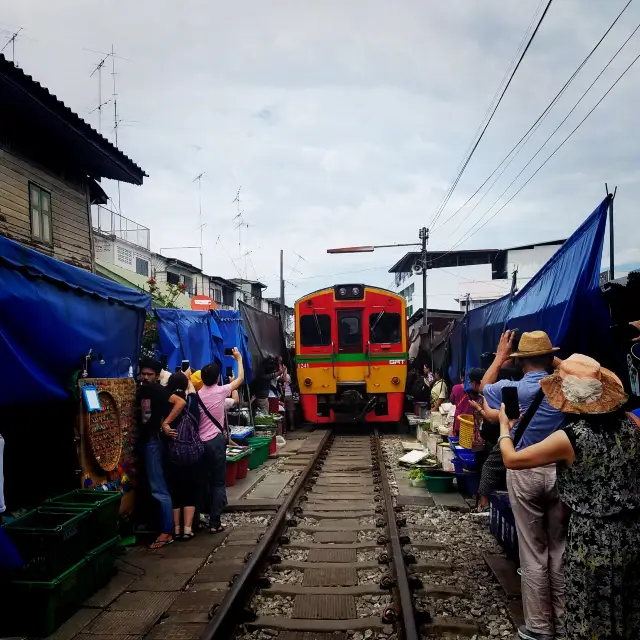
{"x": 351, "y": 354}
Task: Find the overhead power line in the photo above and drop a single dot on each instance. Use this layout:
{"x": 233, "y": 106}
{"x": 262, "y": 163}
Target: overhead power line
{"x": 597, "y": 104}
{"x": 529, "y": 133}
{"x": 452, "y": 188}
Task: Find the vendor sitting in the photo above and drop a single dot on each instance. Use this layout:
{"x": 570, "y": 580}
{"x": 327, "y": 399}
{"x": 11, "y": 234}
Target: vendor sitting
{"x": 462, "y": 396}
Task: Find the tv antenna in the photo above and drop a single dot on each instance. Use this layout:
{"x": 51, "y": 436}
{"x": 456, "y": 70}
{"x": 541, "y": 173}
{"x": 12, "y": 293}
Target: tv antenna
{"x": 239, "y": 220}
{"x": 101, "y": 103}
{"x": 198, "y": 179}
{"x": 12, "y": 41}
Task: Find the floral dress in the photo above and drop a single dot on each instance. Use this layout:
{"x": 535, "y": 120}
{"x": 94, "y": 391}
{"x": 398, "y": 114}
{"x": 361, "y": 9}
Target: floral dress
{"x": 602, "y": 557}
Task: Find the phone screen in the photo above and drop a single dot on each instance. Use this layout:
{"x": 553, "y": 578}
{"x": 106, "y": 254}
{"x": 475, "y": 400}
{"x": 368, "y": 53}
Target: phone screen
{"x": 510, "y": 401}
{"x": 229, "y": 372}
{"x": 185, "y": 365}
{"x": 228, "y": 351}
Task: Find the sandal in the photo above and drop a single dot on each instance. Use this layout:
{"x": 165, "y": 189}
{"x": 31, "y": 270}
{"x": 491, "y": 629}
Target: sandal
{"x": 188, "y": 536}
{"x": 159, "y": 544}
{"x": 217, "y": 529}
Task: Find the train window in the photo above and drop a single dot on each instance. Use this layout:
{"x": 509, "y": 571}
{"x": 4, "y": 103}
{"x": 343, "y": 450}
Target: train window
{"x": 350, "y": 333}
{"x": 315, "y": 330}
{"x": 385, "y": 328}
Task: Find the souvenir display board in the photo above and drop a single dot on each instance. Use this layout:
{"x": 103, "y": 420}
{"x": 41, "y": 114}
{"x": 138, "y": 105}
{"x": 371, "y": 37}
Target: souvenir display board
{"x": 107, "y": 438}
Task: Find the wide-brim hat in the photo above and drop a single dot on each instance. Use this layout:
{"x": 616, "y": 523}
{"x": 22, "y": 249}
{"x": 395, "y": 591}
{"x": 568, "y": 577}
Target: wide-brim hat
{"x": 580, "y": 385}
{"x": 534, "y": 343}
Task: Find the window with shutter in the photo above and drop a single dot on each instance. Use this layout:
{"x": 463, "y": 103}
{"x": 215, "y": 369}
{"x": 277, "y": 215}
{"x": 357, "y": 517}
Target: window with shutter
{"x": 40, "y": 208}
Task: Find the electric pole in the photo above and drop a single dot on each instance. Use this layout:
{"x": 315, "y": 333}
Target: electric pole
{"x": 283, "y": 315}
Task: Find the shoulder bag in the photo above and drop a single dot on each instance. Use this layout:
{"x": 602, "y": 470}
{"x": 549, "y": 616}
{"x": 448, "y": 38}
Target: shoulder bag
{"x": 223, "y": 429}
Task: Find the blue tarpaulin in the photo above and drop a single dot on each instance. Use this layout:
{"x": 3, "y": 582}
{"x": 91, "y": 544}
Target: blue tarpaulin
{"x": 51, "y": 315}
{"x": 563, "y": 299}
{"x": 201, "y": 337}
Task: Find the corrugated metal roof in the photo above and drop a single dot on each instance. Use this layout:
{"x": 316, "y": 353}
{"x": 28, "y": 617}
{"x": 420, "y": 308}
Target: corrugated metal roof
{"x": 34, "y": 104}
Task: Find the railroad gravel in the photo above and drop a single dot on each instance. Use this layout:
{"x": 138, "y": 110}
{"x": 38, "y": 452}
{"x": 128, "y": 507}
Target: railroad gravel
{"x": 370, "y": 576}
{"x": 273, "y": 605}
{"x": 286, "y": 576}
{"x": 368, "y": 555}
{"x": 370, "y": 536}
{"x": 296, "y": 555}
{"x": 245, "y": 519}
{"x": 299, "y": 536}
{"x": 371, "y": 606}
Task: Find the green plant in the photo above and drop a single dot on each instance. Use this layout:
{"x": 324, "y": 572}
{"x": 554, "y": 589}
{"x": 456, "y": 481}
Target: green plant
{"x": 415, "y": 474}
{"x": 166, "y": 300}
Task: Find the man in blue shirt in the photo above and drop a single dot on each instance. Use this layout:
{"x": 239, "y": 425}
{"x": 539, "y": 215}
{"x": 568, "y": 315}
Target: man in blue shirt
{"x": 533, "y": 492}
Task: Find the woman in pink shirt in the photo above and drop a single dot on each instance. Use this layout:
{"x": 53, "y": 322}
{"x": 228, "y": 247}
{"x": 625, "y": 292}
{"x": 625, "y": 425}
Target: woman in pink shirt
{"x": 461, "y": 397}
{"x": 211, "y": 399}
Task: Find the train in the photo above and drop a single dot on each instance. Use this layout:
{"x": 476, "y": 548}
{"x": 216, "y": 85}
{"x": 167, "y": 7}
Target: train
{"x": 351, "y": 354}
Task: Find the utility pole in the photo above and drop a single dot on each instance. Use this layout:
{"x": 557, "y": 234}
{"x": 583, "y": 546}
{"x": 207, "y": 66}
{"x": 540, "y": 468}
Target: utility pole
{"x": 611, "y": 197}
{"x": 283, "y": 315}
{"x": 424, "y": 238}
{"x": 512, "y": 293}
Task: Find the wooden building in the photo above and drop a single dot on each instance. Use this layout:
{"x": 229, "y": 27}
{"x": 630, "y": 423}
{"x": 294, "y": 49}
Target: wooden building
{"x": 50, "y": 162}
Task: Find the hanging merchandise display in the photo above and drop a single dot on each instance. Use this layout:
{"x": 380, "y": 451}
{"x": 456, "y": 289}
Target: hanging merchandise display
{"x": 107, "y": 438}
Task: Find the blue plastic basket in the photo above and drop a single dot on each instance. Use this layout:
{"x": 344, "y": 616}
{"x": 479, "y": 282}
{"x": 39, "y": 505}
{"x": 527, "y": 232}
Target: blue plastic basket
{"x": 463, "y": 458}
{"x": 502, "y": 524}
{"x": 468, "y": 483}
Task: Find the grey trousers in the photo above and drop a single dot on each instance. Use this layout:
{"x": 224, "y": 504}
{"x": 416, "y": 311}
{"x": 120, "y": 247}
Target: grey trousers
{"x": 541, "y": 540}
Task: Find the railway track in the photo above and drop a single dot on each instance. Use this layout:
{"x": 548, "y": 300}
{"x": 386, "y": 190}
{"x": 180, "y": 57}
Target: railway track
{"x": 333, "y": 558}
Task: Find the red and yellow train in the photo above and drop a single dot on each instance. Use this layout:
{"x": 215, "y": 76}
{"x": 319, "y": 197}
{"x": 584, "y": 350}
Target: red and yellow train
{"x": 351, "y": 354}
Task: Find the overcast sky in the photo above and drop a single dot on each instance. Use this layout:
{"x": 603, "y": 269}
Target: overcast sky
{"x": 344, "y": 122}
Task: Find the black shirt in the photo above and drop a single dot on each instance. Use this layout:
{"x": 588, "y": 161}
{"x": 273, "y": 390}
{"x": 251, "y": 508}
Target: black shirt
{"x": 153, "y": 400}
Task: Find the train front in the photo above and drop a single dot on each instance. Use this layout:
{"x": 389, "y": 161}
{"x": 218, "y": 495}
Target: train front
{"x": 351, "y": 354}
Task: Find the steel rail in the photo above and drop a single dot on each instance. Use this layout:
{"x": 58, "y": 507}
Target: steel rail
{"x": 398, "y": 565}
{"x": 227, "y": 616}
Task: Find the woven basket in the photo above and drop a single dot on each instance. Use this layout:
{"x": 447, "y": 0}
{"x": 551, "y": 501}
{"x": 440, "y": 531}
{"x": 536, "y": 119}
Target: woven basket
{"x": 467, "y": 430}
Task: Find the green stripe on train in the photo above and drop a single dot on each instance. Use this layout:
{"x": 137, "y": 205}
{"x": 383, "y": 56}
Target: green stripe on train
{"x": 352, "y": 357}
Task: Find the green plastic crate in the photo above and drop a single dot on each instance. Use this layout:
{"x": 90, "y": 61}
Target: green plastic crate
{"x": 100, "y": 562}
{"x": 260, "y": 453}
{"x": 49, "y": 541}
{"x": 36, "y": 608}
{"x": 103, "y": 507}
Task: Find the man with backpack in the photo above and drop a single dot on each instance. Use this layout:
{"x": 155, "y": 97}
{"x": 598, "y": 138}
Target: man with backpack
{"x": 214, "y": 435}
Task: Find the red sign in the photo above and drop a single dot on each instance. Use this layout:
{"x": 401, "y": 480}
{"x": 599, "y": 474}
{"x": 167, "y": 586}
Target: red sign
{"x": 202, "y": 303}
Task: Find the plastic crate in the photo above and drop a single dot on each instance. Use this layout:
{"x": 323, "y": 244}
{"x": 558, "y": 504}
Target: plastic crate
{"x": 103, "y": 507}
{"x": 231, "y": 473}
{"x": 99, "y": 566}
{"x": 502, "y": 524}
{"x": 468, "y": 483}
{"x": 49, "y": 541}
{"x": 38, "y": 608}
{"x": 260, "y": 453}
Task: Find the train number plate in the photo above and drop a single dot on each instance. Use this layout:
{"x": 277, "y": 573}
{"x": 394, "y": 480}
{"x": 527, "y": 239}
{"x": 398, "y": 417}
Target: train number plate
{"x": 396, "y": 362}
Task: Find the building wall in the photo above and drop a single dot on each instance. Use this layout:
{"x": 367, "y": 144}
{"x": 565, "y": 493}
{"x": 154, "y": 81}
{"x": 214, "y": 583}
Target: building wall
{"x": 529, "y": 261}
{"x": 70, "y": 222}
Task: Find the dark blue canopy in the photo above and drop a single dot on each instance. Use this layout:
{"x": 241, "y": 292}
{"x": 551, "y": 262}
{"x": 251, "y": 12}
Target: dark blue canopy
{"x": 563, "y": 299}
{"x": 201, "y": 337}
{"x": 51, "y": 315}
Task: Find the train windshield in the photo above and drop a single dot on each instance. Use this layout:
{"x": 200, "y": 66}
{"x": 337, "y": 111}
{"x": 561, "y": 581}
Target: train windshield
{"x": 385, "y": 328}
{"x": 315, "y": 330}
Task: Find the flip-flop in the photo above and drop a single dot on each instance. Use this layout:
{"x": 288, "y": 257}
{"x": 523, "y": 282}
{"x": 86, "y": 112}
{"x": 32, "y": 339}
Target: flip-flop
{"x": 160, "y": 544}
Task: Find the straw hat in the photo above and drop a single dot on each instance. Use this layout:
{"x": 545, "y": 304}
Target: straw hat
{"x": 534, "y": 343}
{"x": 581, "y": 385}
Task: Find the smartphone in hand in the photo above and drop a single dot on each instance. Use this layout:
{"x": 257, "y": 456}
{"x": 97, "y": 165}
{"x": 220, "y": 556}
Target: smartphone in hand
{"x": 511, "y": 403}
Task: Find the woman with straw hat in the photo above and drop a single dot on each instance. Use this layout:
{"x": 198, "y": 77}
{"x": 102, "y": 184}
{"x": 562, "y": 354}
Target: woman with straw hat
{"x": 599, "y": 480}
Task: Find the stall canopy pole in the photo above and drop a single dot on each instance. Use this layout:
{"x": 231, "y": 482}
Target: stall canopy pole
{"x": 611, "y": 197}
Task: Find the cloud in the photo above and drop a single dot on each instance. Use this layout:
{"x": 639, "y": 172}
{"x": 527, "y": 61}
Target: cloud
{"x": 344, "y": 123}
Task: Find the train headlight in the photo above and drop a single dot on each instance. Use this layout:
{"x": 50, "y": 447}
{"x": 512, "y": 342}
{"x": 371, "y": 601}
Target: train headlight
{"x": 355, "y": 291}
{"x": 307, "y": 382}
{"x": 395, "y": 380}
{"x": 342, "y": 291}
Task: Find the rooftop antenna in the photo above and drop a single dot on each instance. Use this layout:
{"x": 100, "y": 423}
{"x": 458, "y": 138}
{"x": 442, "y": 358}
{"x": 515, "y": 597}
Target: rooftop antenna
{"x": 101, "y": 104}
{"x": 198, "y": 178}
{"x": 12, "y": 41}
{"x": 240, "y": 223}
